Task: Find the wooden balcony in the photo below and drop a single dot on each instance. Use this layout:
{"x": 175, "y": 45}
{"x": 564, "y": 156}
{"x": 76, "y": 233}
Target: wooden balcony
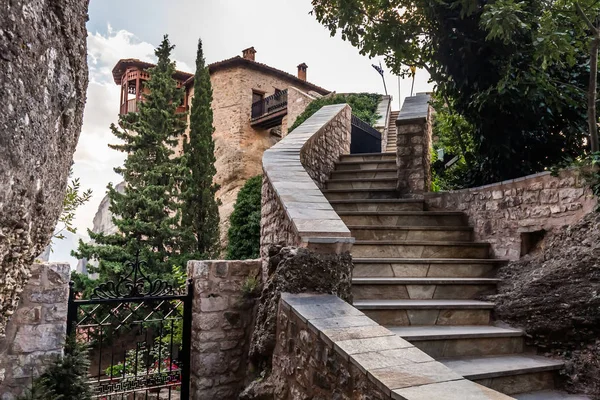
{"x": 132, "y": 105}
{"x": 269, "y": 112}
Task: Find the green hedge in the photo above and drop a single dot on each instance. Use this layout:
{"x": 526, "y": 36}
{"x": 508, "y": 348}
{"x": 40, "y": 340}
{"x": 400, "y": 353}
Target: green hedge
{"x": 244, "y": 231}
{"x": 364, "y": 106}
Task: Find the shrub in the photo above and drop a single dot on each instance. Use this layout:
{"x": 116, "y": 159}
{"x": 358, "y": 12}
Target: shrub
{"x": 244, "y": 231}
{"x": 364, "y": 106}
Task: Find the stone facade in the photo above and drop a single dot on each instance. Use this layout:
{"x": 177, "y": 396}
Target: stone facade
{"x": 414, "y": 142}
{"x": 504, "y": 213}
{"x": 297, "y": 103}
{"x": 239, "y": 147}
{"x": 35, "y": 334}
{"x": 294, "y": 210}
{"x": 43, "y": 81}
{"x": 222, "y": 315}
{"x": 327, "y": 349}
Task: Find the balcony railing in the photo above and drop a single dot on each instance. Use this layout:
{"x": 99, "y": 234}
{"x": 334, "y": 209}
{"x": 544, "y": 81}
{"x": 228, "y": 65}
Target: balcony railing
{"x": 132, "y": 105}
{"x": 270, "y": 105}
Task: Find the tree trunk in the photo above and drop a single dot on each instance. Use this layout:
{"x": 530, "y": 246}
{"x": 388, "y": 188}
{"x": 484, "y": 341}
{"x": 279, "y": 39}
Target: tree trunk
{"x": 592, "y": 119}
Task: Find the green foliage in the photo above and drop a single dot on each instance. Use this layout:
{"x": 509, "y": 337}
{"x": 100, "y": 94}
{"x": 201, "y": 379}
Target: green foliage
{"x": 200, "y": 213}
{"x": 364, "y": 106}
{"x": 73, "y": 200}
{"x": 66, "y": 378}
{"x": 244, "y": 230}
{"x": 147, "y": 214}
{"x": 250, "y": 287}
{"x": 487, "y": 59}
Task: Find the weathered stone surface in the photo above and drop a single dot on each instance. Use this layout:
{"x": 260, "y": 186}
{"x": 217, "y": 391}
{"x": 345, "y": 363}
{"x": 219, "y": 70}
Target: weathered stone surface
{"x": 553, "y": 295}
{"x": 35, "y": 332}
{"x": 295, "y": 270}
{"x": 222, "y": 315}
{"x": 43, "y": 81}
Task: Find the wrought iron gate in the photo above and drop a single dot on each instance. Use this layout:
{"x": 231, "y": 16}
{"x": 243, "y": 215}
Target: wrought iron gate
{"x": 135, "y": 328}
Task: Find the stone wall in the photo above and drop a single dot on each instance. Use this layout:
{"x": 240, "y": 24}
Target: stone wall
{"x": 297, "y": 103}
{"x": 222, "y": 315}
{"x": 413, "y": 157}
{"x": 327, "y": 349}
{"x": 504, "y": 213}
{"x": 294, "y": 210}
{"x": 384, "y": 108}
{"x": 35, "y": 334}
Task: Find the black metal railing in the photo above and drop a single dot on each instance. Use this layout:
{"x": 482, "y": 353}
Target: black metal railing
{"x": 364, "y": 138}
{"x": 270, "y": 105}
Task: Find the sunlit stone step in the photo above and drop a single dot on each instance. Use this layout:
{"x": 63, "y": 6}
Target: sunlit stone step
{"x": 425, "y": 267}
{"x": 362, "y": 183}
{"x": 378, "y": 205}
{"x": 341, "y": 166}
{"x": 403, "y": 218}
{"x": 429, "y": 233}
{"x": 417, "y": 249}
{"x": 368, "y": 157}
{"x": 390, "y": 173}
{"x": 359, "y": 194}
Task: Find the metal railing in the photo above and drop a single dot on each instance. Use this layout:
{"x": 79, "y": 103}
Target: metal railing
{"x": 270, "y": 105}
{"x": 365, "y": 138}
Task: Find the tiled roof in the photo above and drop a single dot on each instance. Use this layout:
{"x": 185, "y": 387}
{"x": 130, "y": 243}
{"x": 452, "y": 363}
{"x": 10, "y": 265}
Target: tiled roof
{"x": 243, "y": 62}
{"x": 125, "y": 63}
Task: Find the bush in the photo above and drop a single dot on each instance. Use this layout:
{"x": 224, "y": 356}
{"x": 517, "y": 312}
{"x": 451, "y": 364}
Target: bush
{"x": 244, "y": 231}
{"x": 364, "y": 106}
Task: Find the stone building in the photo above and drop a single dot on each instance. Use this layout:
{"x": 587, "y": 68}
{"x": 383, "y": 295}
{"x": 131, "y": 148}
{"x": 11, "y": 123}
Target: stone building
{"x": 254, "y": 104}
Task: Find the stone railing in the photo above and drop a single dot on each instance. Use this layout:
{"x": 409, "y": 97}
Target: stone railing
{"x": 297, "y": 103}
{"x": 294, "y": 210}
{"x": 414, "y": 142}
{"x": 326, "y": 346}
{"x": 35, "y": 333}
{"x": 384, "y": 108}
{"x": 512, "y": 215}
{"x": 222, "y": 314}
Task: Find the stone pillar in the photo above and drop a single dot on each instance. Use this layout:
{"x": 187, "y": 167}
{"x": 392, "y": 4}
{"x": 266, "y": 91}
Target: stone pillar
{"x": 36, "y": 331}
{"x": 413, "y": 156}
{"x": 222, "y": 315}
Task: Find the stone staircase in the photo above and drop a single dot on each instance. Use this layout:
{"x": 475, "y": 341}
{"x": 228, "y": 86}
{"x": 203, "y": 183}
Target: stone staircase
{"x": 420, "y": 272}
{"x": 391, "y": 143}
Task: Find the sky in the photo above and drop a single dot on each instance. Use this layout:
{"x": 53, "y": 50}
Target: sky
{"x": 282, "y": 32}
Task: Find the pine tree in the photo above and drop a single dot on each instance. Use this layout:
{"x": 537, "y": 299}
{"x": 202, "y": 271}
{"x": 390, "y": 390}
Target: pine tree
{"x": 199, "y": 207}
{"x": 244, "y": 232}
{"x": 147, "y": 214}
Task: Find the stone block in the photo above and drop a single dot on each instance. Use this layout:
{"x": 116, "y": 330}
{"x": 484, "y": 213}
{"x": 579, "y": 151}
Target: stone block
{"x": 214, "y": 302}
{"x": 42, "y": 337}
{"x": 548, "y": 196}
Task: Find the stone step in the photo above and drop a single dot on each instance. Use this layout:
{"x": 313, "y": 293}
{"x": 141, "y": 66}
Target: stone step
{"x": 424, "y": 267}
{"x": 421, "y": 288}
{"x": 362, "y": 183}
{"x": 419, "y": 249}
{"x": 378, "y": 205}
{"x": 460, "y": 341}
{"x": 430, "y": 233}
{"x": 359, "y": 194}
{"x": 364, "y": 165}
{"x": 509, "y": 374}
{"x": 550, "y": 395}
{"x": 368, "y": 157}
{"x": 390, "y": 173}
{"x": 403, "y": 218}
{"x": 426, "y": 312}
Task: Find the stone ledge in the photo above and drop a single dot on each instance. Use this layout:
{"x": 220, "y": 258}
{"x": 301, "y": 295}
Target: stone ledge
{"x": 305, "y": 206}
{"x": 414, "y": 110}
{"x": 396, "y": 368}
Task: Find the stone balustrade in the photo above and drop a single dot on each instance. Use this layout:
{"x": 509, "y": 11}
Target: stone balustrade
{"x": 328, "y": 349}
{"x": 413, "y": 157}
{"x": 294, "y": 211}
{"x": 384, "y": 108}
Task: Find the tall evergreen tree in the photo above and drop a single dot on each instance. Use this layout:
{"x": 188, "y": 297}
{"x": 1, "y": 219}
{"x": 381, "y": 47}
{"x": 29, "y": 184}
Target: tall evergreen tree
{"x": 199, "y": 207}
{"x": 147, "y": 214}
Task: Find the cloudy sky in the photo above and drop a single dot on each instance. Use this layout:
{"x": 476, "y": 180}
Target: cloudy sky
{"x": 282, "y": 32}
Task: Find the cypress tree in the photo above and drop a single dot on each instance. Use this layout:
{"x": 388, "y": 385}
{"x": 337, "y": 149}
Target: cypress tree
{"x": 199, "y": 207}
{"x": 147, "y": 214}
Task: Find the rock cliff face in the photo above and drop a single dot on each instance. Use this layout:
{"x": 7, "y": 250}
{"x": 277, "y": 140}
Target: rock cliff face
{"x": 43, "y": 81}
{"x": 555, "y": 296}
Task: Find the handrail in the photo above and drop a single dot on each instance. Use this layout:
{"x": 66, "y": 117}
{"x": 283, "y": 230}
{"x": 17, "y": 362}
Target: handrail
{"x": 270, "y": 104}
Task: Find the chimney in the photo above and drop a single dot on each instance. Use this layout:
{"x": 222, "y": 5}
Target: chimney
{"x": 249, "y": 53}
{"x": 302, "y": 71}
